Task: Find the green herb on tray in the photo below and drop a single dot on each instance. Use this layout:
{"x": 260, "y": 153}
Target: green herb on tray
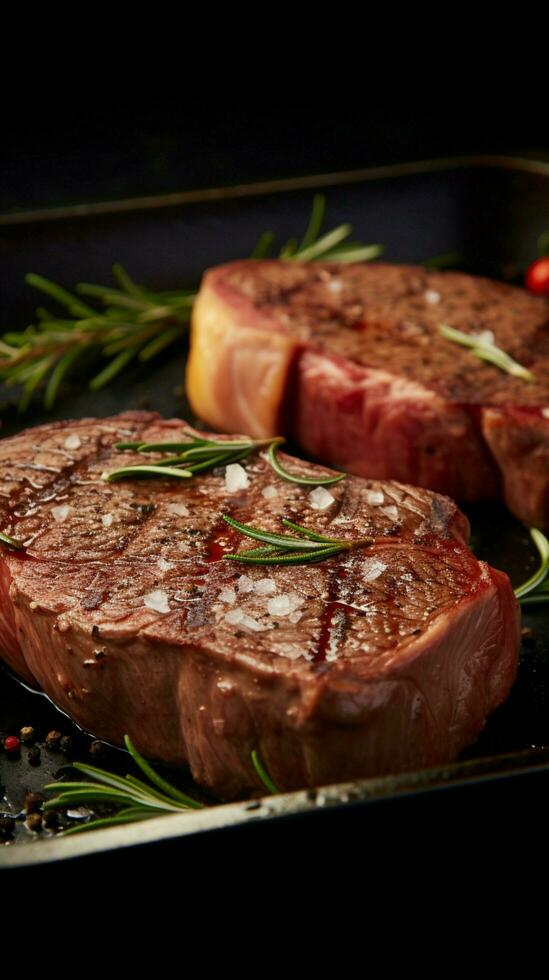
{"x": 137, "y": 800}
{"x": 536, "y": 589}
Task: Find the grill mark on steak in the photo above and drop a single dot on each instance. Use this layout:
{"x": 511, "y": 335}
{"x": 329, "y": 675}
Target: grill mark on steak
{"x": 328, "y": 694}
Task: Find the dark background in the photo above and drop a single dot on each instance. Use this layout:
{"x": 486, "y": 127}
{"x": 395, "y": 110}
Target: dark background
{"x": 60, "y": 148}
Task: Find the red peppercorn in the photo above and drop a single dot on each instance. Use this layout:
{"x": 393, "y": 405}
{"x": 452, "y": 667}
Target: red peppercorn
{"x": 537, "y": 277}
{"x": 12, "y": 744}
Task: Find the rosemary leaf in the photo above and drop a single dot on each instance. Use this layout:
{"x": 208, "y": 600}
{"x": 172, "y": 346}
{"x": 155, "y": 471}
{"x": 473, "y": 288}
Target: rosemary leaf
{"x": 62, "y": 296}
{"x": 263, "y": 246}
{"x": 535, "y": 589}
{"x": 159, "y": 344}
{"x": 313, "y": 535}
{"x": 125, "y": 282}
{"x": 10, "y": 542}
{"x": 270, "y": 537}
{"x": 115, "y": 367}
{"x": 289, "y": 249}
{"x": 131, "y": 815}
{"x": 323, "y": 245}
{"x": 134, "y": 472}
{"x": 149, "y": 772}
{"x": 39, "y": 372}
{"x": 95, "y": 794}
{"x": 114, "y": 296}
{"x": 316, "y": 481}
{"x": 251, "y": 556}
{"x": 62, "y": 367}
{"x": 346, "y": 255}
{"x": 502, "y": 361}
{"x": 315, "y": 222}
{"x": 486, "y": 352}
{"x": 263, "y": 774}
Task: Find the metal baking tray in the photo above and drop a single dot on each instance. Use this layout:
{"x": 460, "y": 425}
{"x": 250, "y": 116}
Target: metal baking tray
{"x": 489, "y": 209}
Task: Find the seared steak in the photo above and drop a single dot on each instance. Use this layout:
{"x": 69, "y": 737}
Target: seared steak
{"x": 348, "y": 361}
{"x": 123, "y": 610}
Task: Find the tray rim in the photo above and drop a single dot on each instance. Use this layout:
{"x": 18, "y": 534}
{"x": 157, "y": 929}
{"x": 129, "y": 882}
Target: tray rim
{"x": 252, "y": 189}
{"x": 322, "y": 799}
{"x": 358, "y": 792}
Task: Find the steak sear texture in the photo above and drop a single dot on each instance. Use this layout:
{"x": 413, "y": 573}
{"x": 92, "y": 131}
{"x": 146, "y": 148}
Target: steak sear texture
{"x": 349, "y": 362}
{"x": 123, "y": 609}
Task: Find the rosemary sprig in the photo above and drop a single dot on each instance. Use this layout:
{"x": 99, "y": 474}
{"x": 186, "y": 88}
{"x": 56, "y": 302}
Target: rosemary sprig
{"x": 307, "y": 481}
{"x": 286, "y": 549}
{"x": 198, "y": 453}
{"x": 126, "y": 322}
{"x": 536, "y": 589}
{"x": 138, "y": 800}
{"x": 486, "y": 351}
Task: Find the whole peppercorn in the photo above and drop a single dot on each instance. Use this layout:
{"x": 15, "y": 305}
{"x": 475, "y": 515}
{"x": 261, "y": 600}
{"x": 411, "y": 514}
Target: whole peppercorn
{"x": 50, "y": 819}
{"x": 33, "y": 802}
{"x": 33, "y": 756}
{"x": 97, "y": 748}
{"x": 53, "y": 741}
{"x": 7, "y": 827}
{"x": 34, "y": 822}
{"x": 27, "y": 734}
{"x": 66, "y": 744}
{"x": 12, "y": 745}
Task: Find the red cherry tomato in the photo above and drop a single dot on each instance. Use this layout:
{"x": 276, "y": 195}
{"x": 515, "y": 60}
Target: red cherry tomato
{"x": 537, "y": 277}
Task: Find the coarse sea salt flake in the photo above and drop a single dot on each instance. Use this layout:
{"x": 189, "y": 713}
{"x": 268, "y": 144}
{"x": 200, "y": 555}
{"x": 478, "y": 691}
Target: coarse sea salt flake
{"x": 245, "y": 584}
{"x": 236, "y": 478}
{"x": 265, "y": 586}
{"x": 157, "y": 600}
{"x": 431, "y": 297}
{"x": 390, "y": 512}
{"x": 373, "y": 568}
{"x": 107, "y": 520}
{"x": 335, "y": 285}
{"x": 61, "y": 513}
{"x": 270, "y": 491}
{"x": 545, "y": 413}
{"x": 236, "y": 617}
{"x": 228, "y": 595}
{"x": 179, "y": 509}
{"x": 72, "y": 442}
{"x": 320, "y": 499}
{"x": 283, "y": 605}
{"x": 279, "y": 606}
{"x": 374, "y": 497}
{"x": 295, "y": 616}
{"x": 164, "y": 565}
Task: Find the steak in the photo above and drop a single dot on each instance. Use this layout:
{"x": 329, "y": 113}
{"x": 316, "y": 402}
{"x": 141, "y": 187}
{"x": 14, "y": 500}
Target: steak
{"x": 122, "y": 609}
{"x": 348, "y": 361}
